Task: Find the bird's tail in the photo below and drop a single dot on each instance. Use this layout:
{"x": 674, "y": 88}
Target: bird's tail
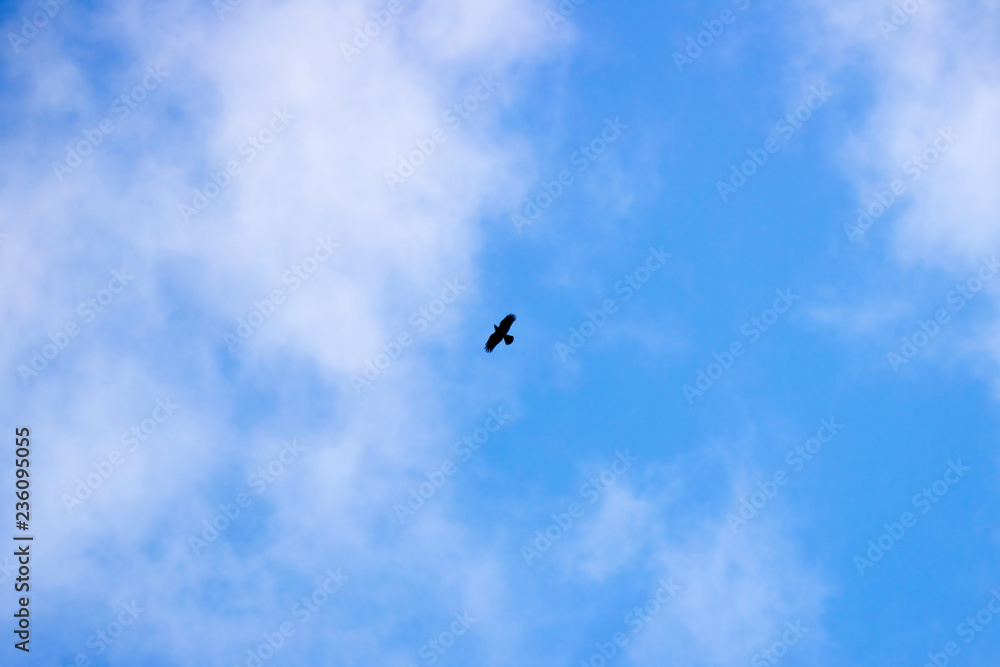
{"x": 508, "y": 339}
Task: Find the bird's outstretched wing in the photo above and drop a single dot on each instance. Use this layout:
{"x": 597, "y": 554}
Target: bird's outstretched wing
{"x": 506, "y": 322}
{"x": 494, "y": 340}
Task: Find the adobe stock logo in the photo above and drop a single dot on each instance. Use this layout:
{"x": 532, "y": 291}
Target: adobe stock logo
{"x": 372, "y": 29}
{"x": 924, "y": 500}
{"x": 432, "y": 650}
{"x": 592, "y": 490}
{"x": 464, "y": 449}
{"x": 303, "y": 610}
{"x": 223, "y": 7}
{"x": 485, "y": 87}
{"x": 956, "y": 299}
{"x": 967, "y": 630}
{"x": 900, "y": 16}
{"x": 38, "y": 21}
{"x": 629, "y": 285}
{"x": 295, "y": 277}
{"x": 753, "y": 329}
{"x": 121, "y": 107}
{"x": 88, "y": 310}
{"x": 104, "y": 637}
{"x": 714, "y": 28}
{"x": 259, "y": 481}
{"x": 637, "y": 619}
{"x": 915, "y": 168}
{"x": 103, "y": 469}
{"x": 586, "y": 155}
{"x": 420, "y": 319}
{"x": 251, "y": 147}
{"x": 787, "y": 127}
{"x": 779, "y": 649}
{"x": 796, "y": 459}
{"x": 566, "y": 9}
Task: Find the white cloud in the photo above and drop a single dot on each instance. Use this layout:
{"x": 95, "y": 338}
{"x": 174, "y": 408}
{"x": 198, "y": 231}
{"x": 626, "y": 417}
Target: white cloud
{"x": 736, "y": 589}
{"x": 615, "y": 535}
{"x": 322, "y": 176}
{"x": 933, "y": 69}
{"x": 737, "y": 593}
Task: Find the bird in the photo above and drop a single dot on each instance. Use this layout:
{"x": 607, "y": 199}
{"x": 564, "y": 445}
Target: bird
{"x": 500, "y": 333}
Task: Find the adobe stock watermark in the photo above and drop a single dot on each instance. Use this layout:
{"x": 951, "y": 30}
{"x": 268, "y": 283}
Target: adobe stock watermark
{"x": 796, "y": 459}
{"x": 630, "y": 283}
{"x": 901, "y": 13}
{"x": 968, "y": 630}
{"x": 752, "y": 329}
{"x": 714, "y": 28}
{"x": 259, "y": 481}
{"x": 250, "y": 148}
{"x": 7, "y": 569}
{"x": 121, "y": 108}
{"x": 295, "y": 277}
{"x": 131, "y": 440}
{"x": 223, "y": 7}
{"x": 565, "y": 9}
{"x": 435, "y": 647}
{"x": 592, "y": 490}
{"x": 787, "y": 127}
{"x": 924, "y": 500}
{"x": 955, "y": 301}
{"x": 302, "y": 611}
{"x": 779, "y": 649}
{"x": 454, "y": 117}
{"x": 420, "y": 319}
{"x": 104, "y": 638}
{"x": 38, "y": 21}
{"x": 464, "y": 450}
{"x": 363, "y": 35}
{"x": 581, "y": 158}
{"x": 915, "y": 168}
{"x": 88, "y": 310}
{"x": 637, "y": 619}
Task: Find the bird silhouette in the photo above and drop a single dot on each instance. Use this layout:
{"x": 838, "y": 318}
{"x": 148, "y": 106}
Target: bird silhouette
{"x": 500, "y": 333}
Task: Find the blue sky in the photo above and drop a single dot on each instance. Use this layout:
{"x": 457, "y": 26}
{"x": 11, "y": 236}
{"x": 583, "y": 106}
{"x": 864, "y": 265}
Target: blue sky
{"x": 253, "y": 256}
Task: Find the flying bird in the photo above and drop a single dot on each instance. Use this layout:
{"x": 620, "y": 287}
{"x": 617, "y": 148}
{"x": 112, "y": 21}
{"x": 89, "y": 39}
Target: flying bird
{"x": 500, "y": 333}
